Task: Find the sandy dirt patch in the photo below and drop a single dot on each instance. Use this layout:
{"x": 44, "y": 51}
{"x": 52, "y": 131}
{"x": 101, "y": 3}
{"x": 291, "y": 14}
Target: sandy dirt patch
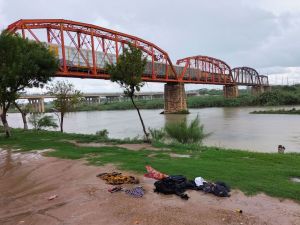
{"x": 27, "y": 181}
{"x": 133, "y": 147}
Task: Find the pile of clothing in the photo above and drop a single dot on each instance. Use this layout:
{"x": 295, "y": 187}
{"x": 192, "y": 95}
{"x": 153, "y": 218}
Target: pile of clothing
{"x": 178, "y": 184}
{"x": 118, "y": 179}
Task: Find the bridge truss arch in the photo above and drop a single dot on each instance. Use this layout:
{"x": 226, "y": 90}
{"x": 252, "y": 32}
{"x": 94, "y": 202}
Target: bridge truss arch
{"x": 83, "y": 49}
{"x": 246, "y": 76}
{"x": 264, "y": 80}
{"x": 204, "y": 69}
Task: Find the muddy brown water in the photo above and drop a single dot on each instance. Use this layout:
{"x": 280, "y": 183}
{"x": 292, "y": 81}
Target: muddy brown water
{"x": 229, "y": 127}
{"x": 28, "y": 180}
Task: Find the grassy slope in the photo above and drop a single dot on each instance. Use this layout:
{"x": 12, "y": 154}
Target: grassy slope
{"x": 250, "y": 172}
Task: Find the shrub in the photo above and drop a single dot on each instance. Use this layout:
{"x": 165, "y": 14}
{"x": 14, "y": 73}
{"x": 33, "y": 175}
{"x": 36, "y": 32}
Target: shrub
{"x": 269, "y": 98}
{"x": 157, "y": 134}
{"x": 38, "y": 121}
{"x": 103, "y": 134}
{"x": 33, "y": 119}
{"x": 186, "y": 133}
{"x": 47, "y": 121}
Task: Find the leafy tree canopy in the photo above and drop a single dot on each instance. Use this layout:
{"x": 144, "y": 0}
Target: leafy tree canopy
{"x": 127, "y": 72}
{"x": 23, "y": 64}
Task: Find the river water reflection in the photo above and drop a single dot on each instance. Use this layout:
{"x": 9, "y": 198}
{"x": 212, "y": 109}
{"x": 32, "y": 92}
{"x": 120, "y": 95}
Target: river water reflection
{"x": 230, "y": 127}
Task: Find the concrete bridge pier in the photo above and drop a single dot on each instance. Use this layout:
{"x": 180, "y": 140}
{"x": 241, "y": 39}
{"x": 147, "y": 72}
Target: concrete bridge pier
{"x": 37, "y": 105}
{"x": 175, "y": 98}
{"x": 231, "y": 91}
{"x": 267, "y": 88}
{"x": 256, "y": 90}
{"x": 92, "y": 100}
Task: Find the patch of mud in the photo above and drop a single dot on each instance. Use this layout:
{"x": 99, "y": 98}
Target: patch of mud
{"x": 174, "y": 155}
{"x": 83, "y": 199}
{"x": 43, "y": 151}
{"x": 137, "y": 147}
{"x": 133, "y": 147}
{"x": 90, "y": 144}
{"x": 10, "y": 160}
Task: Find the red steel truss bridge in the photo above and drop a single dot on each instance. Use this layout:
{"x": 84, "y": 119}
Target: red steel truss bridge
{"x": 84, "y": 49}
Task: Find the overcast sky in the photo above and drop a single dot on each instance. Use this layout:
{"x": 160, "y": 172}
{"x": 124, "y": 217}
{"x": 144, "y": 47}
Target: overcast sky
{"x": 264, "y": 34}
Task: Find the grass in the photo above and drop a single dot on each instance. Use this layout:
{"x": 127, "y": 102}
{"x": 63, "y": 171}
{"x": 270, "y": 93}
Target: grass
{"x": 292, "y": 111}
{"x": 250, "y": 172}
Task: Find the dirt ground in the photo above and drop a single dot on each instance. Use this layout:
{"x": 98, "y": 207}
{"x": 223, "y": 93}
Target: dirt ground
{"x": 28, "y": 180}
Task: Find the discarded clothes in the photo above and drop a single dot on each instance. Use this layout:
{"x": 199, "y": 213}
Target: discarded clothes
{"x": 219, "y": 188}
{"x": 115, "y": 189}
{"x": 117, "y": 178}
{"x": 173, "y": 185}
{"x": 178, "y": 184}
{"x": 152, "y": 173}
{"x": 136, "y": 192}
{"x": 199, "y": 181}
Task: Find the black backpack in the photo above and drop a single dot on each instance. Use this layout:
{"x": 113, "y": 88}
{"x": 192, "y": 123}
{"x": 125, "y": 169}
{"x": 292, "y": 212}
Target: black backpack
{"x": 219, "y": 189}
{"x": 172, "y": 185}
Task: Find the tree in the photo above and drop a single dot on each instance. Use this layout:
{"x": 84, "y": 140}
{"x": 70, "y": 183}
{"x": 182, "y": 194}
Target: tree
{"x": 24, "y": 110}
{"x": 127, "y": 72}
{"x": 23, "y": 64}
{"x": 66, "y": 98}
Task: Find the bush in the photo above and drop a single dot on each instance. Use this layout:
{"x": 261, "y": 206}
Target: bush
{"x": 103, "y": 134}
{"x": 38, "y": 121}
{"x": 269, "y": 98}
{"x": 47, "y": 121}
{"x": 186, "y": 133}
{"x": 33, "y": 119}
{"x": 157, "y": 134}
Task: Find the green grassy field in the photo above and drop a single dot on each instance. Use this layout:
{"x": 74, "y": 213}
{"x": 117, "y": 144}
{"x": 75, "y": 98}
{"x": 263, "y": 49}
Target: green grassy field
{"x": 250, "y": 172}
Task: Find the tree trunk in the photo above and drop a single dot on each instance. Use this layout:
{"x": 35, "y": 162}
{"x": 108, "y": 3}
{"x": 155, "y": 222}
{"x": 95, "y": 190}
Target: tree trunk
{"x": 144, "y": 129}
{"x": 23, "y": 113}
{"x": 62, "y": 122}
{"x": 24, "y": 121}
{"x": 5, "y": 124}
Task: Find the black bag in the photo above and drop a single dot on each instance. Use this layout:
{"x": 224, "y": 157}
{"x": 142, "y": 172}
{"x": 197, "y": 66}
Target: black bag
{"x": 219, "y": 189}
{"x": 172, "y": 185}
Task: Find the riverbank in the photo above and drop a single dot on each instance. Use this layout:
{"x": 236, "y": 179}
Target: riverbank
{"x": 192, "y": 102}
{"x": 292, "y": 111}
{"x": 249, "y": 172}
{"x": 83, "y": 199}
{"x": 279, "y": 95}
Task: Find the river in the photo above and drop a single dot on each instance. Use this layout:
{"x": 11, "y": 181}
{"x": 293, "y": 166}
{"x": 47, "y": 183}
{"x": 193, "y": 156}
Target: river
{"x": 229, "y": 127}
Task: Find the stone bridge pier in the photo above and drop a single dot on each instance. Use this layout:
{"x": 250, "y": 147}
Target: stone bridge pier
{"x": 175, "y": 98}
{"x": 256, "y": 90}
{"x": 37, "y": 105}
{"x": 230, "y": 91}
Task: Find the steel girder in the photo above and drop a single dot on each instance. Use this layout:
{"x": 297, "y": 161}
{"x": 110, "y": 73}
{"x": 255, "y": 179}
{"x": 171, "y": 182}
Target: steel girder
{"x": 83, "y": 50}
{"x": 249, "y": 77}
{"x": 205, "y": 69}
{"x": 87, "y": 38}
